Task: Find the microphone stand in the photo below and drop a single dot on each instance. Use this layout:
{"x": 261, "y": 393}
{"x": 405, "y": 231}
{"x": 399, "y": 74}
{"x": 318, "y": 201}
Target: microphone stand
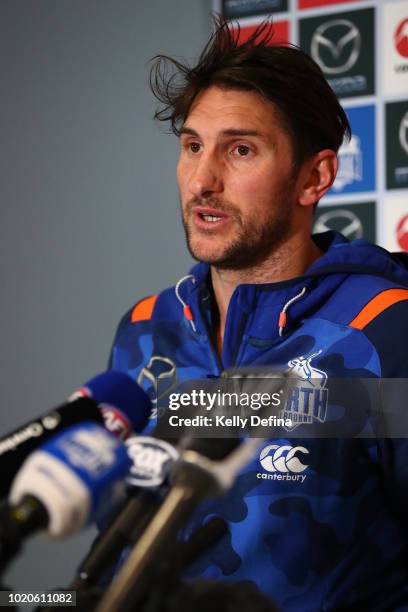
{"x": 195, "y": 479}
{"x": 168, "y": 573}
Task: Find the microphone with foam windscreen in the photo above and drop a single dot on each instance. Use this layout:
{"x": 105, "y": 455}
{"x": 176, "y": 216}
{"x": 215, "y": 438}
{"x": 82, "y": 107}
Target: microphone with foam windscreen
{"x": 124, "y": 405}
{"x": 73, "y": 479}
{"x": 111, "y": 398}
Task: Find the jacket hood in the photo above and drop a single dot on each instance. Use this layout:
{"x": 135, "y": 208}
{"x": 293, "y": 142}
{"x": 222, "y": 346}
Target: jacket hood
{"x": 357, "y": 257}
{"x": 275, "y": 304}
{"x": 342, "y": 256}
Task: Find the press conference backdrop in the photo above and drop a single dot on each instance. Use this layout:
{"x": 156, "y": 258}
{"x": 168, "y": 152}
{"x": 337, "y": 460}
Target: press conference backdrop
{"x": 89, "y": 203}
{"x": 362, "y": 48}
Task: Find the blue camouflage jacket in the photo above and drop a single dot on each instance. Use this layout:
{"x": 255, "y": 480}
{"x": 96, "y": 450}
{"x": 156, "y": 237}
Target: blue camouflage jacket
{"x": 317, "y": 524}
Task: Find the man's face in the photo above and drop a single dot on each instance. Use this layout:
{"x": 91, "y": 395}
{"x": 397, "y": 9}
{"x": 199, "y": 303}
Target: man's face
{"x": 235, "y": 176}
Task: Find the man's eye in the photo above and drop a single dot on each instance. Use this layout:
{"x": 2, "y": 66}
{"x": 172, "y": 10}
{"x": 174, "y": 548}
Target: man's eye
{"x": 242, "y": 150}
{"x": 194, "y": 147}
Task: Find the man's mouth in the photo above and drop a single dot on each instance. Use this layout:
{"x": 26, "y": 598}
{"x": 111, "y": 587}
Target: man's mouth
{"x": 209, "y": 218}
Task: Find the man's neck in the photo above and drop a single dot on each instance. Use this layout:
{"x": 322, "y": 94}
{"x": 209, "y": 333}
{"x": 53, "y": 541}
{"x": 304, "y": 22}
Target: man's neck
{"x": 288, "y": 261}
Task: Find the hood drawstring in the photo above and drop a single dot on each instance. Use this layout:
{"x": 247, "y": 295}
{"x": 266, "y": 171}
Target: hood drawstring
{"x": 186, "y": 308}
{"x": 190, "y": 317}
{"x": 282, "y": 315}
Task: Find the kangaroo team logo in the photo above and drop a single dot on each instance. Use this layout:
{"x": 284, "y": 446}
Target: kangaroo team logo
{"x": 157, "y": 378}
{"x": 308, "y": 398}
{"x": 283, "y": 462}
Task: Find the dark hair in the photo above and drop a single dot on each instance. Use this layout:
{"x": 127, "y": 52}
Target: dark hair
{"x": 284, "y": 75}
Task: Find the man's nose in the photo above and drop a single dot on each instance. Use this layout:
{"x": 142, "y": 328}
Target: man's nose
{"x": 206, "y": 178}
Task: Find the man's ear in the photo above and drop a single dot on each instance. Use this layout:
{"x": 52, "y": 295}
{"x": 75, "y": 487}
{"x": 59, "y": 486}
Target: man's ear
{"x": 317, "y": 176}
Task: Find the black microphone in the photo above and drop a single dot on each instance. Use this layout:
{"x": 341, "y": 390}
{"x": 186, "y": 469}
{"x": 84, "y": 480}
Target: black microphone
{"x": 106, "y": 399}
{"x": 199, "y": 474}
{"x": 16, "y": 446}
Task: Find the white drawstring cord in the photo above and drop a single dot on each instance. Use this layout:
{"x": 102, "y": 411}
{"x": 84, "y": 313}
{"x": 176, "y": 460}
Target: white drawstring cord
{"x": 186, "y": 308}
{"x": 282, "y": 315}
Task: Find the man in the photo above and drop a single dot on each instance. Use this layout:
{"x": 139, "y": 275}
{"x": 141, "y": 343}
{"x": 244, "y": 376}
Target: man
{"x": 259, "y": 129}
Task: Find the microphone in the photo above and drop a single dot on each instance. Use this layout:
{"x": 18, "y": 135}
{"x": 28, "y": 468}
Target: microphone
{"x": 199, "y": 473}
{"x": 147, "y": 482}
{"x": 153, "y": 458}
{"x": 150, "y": 468}
{"x": 124, "y": 405}
{"x": 112, "y": 398}
{"x": 61, "y": 487}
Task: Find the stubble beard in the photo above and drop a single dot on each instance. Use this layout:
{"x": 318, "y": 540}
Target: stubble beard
{"x": 255, "y": 240}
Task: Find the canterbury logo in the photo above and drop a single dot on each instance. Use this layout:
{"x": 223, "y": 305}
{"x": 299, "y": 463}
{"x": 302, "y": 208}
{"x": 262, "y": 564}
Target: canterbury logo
{"x": 283, "y": 459}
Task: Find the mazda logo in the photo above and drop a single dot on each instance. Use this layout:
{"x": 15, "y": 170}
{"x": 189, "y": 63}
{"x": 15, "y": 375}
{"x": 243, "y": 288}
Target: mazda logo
{"x": 336, "y": 46}
{"x": 343, "y": 221}
{"x": 403, "y": 136}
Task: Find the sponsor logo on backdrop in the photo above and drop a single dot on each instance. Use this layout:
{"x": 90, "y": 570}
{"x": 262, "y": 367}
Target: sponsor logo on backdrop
{"x": 305, "y": 4}
{"x": 246, "y": 8}
{"x": 336, "y": 43}
{"x": 283, "y": 462}
{"x": 395, "y": 48}
{"x": 401, "y": 38}
{"x": 396, "y": 223}
{"x": 350, "y": 164}
{"x": 356, "y": 171}
{"x": 336, "y": 46}
{"x": 397, "y": 144}
{"x": 354, "y": 221}
{"x": 402, "y": 233}
{"x": 352, "y": 226}
{"x": 280, "y": 32}
{"x": 403, "y": 133}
